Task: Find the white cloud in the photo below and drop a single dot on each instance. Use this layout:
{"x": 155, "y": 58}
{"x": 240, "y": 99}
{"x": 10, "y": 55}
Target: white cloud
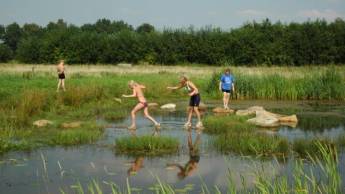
{"x": 327, "y": 14}
{"x": 251, "y": 12}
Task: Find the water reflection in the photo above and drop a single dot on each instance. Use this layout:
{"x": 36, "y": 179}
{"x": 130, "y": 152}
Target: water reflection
{"x": 194, "y": 157}
{"x": 137, "y": 165}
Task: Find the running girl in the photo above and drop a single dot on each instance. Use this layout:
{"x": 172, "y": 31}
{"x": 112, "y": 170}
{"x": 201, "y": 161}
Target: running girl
{"x": 138, "y": 92}
{"x": 226, "y": 85}
{"x": 61, "y": 75}
{"x": 194, "y": 102}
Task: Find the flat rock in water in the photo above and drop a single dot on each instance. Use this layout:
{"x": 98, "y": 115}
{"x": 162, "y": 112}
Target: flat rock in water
{"x": 222, "y": 110}
{"x": 263, "y": 121}
{"x": 42, "y": 123}
{"x": 168, "y": 106}
{"x": 288, "y": 119}
{"x": 250, "y": 111}
{"x": 245, "y": 112}
{"x": 256, "y": 108}
{"x": 152, "y": 104}
{"x": 75, "y": 124}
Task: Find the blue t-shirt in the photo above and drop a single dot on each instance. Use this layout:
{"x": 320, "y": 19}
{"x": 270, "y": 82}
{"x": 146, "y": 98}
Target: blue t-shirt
{"x": 227, "y": 81}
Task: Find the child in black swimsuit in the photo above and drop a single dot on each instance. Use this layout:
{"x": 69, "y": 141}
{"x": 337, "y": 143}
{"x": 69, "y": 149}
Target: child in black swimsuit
{"x": 61, "y": 75}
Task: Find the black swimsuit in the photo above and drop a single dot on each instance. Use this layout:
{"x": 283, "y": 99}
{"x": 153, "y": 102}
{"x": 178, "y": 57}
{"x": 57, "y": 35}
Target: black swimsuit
{"x": 62, "y": 75}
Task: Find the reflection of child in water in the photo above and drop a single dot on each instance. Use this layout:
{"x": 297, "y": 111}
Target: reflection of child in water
{"x": 194, "y": 157}
{"x": 136, "y": 166}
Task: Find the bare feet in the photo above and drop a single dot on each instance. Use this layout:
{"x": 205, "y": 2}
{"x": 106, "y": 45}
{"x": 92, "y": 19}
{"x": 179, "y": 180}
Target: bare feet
{"x": 187, "y": 125}
{"x": 199, "y": 125}
{"x": 158, "y": 126}
{"x": 132, "y": 127}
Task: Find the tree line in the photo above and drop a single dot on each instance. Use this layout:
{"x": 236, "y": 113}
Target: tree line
{"x": 111, "y": 42}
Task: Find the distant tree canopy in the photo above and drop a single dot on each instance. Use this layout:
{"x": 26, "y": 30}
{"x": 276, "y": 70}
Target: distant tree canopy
{"x": 106, "y": 41}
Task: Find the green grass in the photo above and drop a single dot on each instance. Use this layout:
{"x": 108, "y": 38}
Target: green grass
{"x": 251, "y": 143}
{"x": 223, "y": 124}
{"x": 15, "y": 140}
{"x": 326, "y": 84}
{"x": 148, "y": 145}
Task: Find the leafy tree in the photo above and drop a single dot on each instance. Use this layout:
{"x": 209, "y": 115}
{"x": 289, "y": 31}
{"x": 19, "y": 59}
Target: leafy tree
{"x": 145, "y": 28}
{"x": 5, "y": 53}
{"x": 12, "y": 36}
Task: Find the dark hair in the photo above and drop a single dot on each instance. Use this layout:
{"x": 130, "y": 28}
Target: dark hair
{"x": 227, "y": 70}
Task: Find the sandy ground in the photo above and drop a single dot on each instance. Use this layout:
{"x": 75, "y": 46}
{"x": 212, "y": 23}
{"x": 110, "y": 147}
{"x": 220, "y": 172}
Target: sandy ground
{"x": 147, "y": 69}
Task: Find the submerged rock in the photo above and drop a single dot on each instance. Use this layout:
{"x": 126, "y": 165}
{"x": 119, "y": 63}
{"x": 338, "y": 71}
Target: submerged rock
{"x": 42, "y": 123}
{"x": 75, "y": 124}
{"x": 152, "y": 104}
{"x": 168, "y": 106}
{"x": 222, "y": 110}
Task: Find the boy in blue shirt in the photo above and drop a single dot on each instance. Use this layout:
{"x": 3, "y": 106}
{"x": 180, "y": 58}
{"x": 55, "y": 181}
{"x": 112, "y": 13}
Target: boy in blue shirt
{"x": 226, "y": 85}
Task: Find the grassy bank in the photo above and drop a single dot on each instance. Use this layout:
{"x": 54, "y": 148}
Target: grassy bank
{"x": 26, "y": 95}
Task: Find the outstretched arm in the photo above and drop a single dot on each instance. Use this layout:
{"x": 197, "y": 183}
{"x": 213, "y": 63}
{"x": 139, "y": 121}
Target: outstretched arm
{"x": 175, "y": 87}
{"x": 130, "y": 96}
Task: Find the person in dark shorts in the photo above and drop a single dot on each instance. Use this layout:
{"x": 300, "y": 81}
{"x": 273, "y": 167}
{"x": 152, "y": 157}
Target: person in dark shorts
{"x": 226, "y": 85}
{"x": 142, "y": 104}
{"x": 194, "y": 101}
{"x": 61, "y": 75}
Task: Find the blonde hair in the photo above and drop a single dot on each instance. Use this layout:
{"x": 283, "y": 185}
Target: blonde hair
{"x": 131, "y": 83}
{"x": 184, "y": 77}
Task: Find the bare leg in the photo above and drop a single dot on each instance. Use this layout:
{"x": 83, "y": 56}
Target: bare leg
{"x": 227, "y": 100}
{"x": 224, "y": 99}
{"x": 58, "y": 86}
{"x": 147, "y": 115}
{"x": 63, "y": 84}
{"x": 190, "y": 114}
{"x": 133, "y": 112}
{"x": 196, "y": 110}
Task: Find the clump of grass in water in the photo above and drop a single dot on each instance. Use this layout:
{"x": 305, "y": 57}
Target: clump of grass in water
{"x": 327, "y": 180}
{"x": 224, "y": 124}
{"x": 147, "y": 144}
{"x": 251, "y": 143}
{"x": 83, "y": 135}
{"x": 305, "y": 147}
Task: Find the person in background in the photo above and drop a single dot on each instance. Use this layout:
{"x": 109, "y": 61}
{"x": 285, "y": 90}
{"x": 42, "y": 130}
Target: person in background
{"x": 227, "y": 85}
{"x": 61, "y": 75}
{"x": 194, "y": 101}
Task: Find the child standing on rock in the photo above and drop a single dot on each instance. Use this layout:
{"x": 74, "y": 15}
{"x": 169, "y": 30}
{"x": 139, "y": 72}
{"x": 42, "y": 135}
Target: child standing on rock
{"x": 226, "y": 85}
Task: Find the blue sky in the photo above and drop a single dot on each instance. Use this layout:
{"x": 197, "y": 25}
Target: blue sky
{"x": 173, "y": 13}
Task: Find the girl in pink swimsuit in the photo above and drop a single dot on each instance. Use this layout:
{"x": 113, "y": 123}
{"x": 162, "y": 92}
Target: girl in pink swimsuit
{"x": 138, "y": 92}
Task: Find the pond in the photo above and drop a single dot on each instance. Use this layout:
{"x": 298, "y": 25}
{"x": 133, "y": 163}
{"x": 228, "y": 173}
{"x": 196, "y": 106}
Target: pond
{"x": 47, "y": 170}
